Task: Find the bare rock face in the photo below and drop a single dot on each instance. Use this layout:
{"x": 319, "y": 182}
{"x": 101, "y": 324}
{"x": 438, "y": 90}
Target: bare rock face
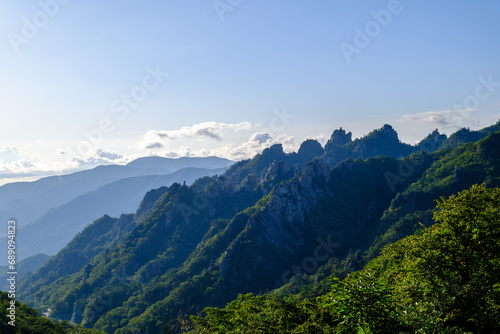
{"x": 251, "y": 182}
{"x": 275, "y": 150}
{"x": 71, "y": 261}
{"x": 437, "y": 137}
{"x": 276, "y": 172}
{"x": 225, "y": 263}
{"x": 295, "y": 170}
{"x": 335, "y": 147}
{"x": 151, "y": 270}
{"x": 281, "y": 223}
{"x": 225, "y": 185}
{"x": 77, "y": 314}
{"x": 317, "y": 171}
{"x": 338, "y": 138}
{"x": 282, "y": 219}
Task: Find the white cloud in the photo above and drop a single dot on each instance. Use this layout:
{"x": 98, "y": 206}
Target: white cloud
{"x": 14, "y": 167}
{"x": 203, "y": 131}
{"x": 97, "y": 157}
{"x": 255, "y": 144}
{"x": 321, "y": 138}
{"x": 23, "y": 168}
{"x": 153, "y": 146}
{"x": 232, "y": 141}
{"x": 261, "y": 137}
{"x": 229, "y": 140}
{"x": 444, "y": 119}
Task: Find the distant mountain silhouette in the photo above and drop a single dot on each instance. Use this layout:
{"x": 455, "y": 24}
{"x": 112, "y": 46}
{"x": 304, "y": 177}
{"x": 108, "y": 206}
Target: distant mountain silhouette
{"x": 466, "y": 135}
{"x": 56, "y": 228}
{"x": 24, "y": 268}
{"x": 383, "y": 141}
{"x": 270, "y": 222}
{"x": 27, "y": 201}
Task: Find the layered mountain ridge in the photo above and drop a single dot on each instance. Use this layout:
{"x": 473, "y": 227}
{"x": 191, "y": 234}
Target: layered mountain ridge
{"x": 57, "y": 227}
{"x": 276, "y": 221}
{"x": 27, "y": 201}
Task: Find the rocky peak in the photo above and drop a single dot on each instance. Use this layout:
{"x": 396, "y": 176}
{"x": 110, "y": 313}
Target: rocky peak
{"x": 276, "y": 150}
{"x": 281, "y": 222}
{"x": 389, "y": 132}
{"x": 339, "y": 138}
{"x": 310, "y": 148}
{"x": 432, "y": 141}
{"x": 435, "y": 134}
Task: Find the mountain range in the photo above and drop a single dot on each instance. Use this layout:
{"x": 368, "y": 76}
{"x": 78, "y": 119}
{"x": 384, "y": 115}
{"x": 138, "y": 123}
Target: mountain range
{"x": 57, "y": 227}
{"x": 26, "y": 201}
{"x": 280, "y": 222}
{"x": 64, "y": 205}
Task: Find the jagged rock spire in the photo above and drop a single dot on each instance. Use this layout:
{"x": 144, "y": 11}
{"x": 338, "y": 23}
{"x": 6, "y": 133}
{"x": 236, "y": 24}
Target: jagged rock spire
{"x": 339, "y": 137}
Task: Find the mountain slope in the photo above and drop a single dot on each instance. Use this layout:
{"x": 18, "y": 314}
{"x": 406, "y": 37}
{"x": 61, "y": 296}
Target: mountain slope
{"x": 52, "y": 231}
{"x": 27, "y": 201}
{"x": 266, "y": 223}
{"x": 466, "y": 135}
{"x": 99, "y": 236}
{"x": 446, "y": 172}
{"x": 262, "y": 247}
{"x": 435, "y": 281}
{"x": 31, "y": 321}
{"x": 453, "y": 171}
{"x": 25, "y": 269}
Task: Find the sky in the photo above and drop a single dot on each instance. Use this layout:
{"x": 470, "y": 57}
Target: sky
{"x": 84, "y": 83}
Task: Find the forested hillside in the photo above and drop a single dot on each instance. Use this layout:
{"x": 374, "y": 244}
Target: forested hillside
{"x": 282, "y": 222}
{"x": 443, "y": 279}
{"x": 18, "y": 318}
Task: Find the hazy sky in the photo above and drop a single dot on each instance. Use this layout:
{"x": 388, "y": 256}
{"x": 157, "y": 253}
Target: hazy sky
{"x": 90, "y": 82}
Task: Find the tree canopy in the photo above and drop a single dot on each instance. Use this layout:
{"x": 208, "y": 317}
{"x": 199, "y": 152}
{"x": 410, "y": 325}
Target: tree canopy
{"x": 443, "y": 279}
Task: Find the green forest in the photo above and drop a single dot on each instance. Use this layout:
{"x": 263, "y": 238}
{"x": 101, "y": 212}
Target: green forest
{"x": 360, "y": 236}
{"x": 443, "y": 279}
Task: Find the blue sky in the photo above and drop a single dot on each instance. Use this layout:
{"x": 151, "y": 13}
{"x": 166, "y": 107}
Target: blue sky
{"x": 85, "y": 82}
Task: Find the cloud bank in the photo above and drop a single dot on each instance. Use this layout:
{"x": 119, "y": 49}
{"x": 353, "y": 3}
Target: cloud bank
{"x": 235, "y": 141}
{"x": 445, "y": 119}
